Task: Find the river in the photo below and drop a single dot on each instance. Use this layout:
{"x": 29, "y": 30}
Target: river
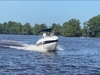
{"x": 73, "y": 56}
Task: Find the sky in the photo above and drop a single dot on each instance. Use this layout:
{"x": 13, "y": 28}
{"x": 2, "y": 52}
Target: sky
{"x": 48, "y": 12}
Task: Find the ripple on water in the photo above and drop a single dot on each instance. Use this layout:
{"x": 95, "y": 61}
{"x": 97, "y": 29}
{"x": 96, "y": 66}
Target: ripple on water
{"x": 79, "y": 57}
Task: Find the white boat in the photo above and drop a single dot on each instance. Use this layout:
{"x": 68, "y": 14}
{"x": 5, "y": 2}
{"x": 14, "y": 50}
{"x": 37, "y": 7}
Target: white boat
{"x": 49, "y": 43}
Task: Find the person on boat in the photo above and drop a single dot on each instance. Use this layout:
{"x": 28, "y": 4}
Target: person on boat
{"x": 52, "y": 34}
{"x": 44, "y": 34}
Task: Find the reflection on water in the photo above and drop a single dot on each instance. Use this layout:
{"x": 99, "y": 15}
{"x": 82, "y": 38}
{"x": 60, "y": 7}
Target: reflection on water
{"x": 77, "y": 56}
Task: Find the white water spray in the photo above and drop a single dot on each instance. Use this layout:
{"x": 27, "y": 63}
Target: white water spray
{"x": 30, "y": 48}
{"x": 59, "y": 47}
{"x": 35, "y": 48}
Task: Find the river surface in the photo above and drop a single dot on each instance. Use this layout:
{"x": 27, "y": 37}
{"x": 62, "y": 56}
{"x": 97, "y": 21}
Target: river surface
{"x": 73, "y": 56}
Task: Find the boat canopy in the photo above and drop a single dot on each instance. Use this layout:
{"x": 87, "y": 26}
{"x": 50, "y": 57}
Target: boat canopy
{"x": 46, "y": 30}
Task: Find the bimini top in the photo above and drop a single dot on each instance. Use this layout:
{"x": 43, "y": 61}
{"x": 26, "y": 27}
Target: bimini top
{"x": 46, "y": 30}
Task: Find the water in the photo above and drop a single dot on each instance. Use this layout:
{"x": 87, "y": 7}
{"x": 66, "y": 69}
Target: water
{"x": 73, "y": 56}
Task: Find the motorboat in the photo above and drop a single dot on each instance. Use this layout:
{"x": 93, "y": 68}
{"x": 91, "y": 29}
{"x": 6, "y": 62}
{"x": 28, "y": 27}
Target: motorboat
{"x": 49, "y": 43}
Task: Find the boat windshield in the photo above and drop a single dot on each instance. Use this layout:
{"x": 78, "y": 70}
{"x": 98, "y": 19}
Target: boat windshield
{"x": 47, "y": 32}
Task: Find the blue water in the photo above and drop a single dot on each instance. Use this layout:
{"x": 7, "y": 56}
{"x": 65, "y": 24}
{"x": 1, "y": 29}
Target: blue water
{"x": 73, "y": 56}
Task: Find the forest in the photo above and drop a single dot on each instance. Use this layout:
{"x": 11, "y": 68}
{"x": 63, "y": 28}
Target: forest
{"x": 71, "y": 28}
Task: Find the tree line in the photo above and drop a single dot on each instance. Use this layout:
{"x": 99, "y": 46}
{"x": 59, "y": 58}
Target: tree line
{"x": 71, "y": 28}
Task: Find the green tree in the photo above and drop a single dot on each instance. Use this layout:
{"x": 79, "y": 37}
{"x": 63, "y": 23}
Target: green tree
{"x": 5, "y": 28}
{"x": 57, "y": 28}
{"x": 94, "y": 26}
{"x": 85, "y": 30}
{"x": 72, "y": 28}
{"x": 26, "y": 29}
{"x": 35, "y": 29}
{"x": 38, "y": 27}
{"x": 43, "y": 26}
{"x": 12, "y": 27}
{"x": 19, "y": 28}
{"x": 1, "y": 29}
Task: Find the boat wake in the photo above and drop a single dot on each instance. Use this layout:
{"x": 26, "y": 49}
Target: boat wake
{"x": 8, "y": 43}
{"x": 21, "y": 46}
{"x": 30, "y": 48}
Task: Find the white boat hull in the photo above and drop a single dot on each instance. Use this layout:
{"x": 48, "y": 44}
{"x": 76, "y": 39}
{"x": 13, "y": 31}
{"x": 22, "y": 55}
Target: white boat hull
{"x": 50, "y": 46}
{"x": 48, "y": 43}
